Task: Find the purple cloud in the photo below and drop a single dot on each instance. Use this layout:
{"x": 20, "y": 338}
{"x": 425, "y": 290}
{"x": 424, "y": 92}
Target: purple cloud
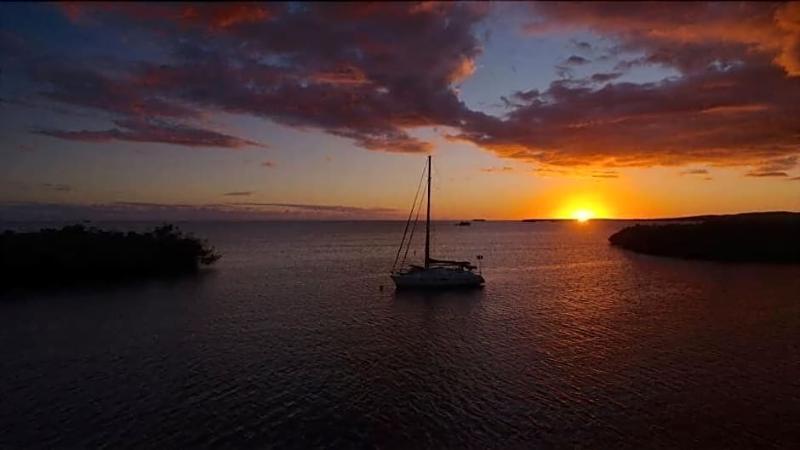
{"x": 155, "y": 131}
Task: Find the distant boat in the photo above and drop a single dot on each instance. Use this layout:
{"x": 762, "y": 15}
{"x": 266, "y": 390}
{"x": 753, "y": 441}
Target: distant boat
{"x": 434, "y": 273}
{"x": 463, "y": 224}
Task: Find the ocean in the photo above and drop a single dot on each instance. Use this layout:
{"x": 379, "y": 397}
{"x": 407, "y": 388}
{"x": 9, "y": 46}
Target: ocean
{"x": 296, "y": 338}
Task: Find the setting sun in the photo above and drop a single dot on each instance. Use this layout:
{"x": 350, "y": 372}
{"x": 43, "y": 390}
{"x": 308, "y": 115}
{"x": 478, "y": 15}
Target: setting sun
{"x": 582, "y": 215}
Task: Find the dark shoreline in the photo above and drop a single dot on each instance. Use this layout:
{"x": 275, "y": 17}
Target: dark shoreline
{"x": 772, "y": 237}
{"x": 77, "y": 254}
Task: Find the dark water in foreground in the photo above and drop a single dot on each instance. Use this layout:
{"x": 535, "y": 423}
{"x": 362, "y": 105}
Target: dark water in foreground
{"x": 289, "y": 342}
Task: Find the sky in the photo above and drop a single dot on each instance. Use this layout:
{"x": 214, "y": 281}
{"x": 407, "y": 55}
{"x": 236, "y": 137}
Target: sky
{"x": 248, "y": 111}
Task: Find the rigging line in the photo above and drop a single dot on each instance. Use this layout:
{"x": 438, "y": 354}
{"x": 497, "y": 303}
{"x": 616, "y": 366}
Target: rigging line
{"x": 413, "y": 227}
{"x": 413, "y": 204}
{"x": 435, "y": 187}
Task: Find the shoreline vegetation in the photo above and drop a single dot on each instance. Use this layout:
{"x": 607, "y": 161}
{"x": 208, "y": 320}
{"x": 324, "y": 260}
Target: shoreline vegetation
{"x": 77, "y": 253}
{"x": 751, "y": 237}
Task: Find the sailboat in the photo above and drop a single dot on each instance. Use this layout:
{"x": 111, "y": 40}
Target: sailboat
{"x": 434, "y": 273}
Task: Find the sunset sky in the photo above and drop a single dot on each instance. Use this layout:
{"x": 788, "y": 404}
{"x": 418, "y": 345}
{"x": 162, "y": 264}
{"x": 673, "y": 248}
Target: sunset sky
{"x": 326, "y": 111}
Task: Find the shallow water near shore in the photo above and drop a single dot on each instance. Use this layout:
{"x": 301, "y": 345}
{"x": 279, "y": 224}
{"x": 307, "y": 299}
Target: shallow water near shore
{"x": 296, "y": 338}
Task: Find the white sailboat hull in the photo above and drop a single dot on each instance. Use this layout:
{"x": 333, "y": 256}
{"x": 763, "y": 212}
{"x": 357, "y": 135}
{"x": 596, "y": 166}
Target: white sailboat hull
{"x": 435, "y": 273}
{"x": 436, "y": 277}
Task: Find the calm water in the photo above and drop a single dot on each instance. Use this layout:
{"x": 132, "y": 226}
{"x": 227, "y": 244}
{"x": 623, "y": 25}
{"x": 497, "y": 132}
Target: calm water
{"x": 290, "y": 342}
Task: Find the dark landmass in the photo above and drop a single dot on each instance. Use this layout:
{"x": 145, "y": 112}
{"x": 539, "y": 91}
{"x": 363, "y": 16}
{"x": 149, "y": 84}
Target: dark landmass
{"x": 659, "y": 219}
{"x": 751, "y": 237}
{"x": 76, "y": 253}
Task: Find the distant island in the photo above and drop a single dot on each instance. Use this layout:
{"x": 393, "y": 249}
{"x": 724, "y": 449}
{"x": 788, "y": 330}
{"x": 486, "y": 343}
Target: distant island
{"x": 657, "y": 219}
{"x": 78, "y": 253}
{"x": 750, "y": 237}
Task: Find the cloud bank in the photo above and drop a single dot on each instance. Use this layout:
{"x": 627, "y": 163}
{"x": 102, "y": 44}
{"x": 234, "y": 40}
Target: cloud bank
{"x": 123, "y": 210}
{"x": 373, "y": 72}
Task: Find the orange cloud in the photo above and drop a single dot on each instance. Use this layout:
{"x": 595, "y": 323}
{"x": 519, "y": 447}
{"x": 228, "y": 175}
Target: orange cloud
{"x": 765, "y": 27}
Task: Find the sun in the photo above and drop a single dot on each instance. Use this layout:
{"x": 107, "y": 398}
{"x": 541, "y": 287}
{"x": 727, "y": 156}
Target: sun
{"x": 583, "y": 215}
{"x": 582, "y": 209}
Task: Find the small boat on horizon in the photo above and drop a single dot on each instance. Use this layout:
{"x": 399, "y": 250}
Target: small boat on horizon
{"x": 434, "y": 273}
{"x": 463, "y": 223}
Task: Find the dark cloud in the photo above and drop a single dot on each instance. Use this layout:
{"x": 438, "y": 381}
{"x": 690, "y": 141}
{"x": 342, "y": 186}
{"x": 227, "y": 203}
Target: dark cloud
{"x": 582, "y": 45}
{"x": 605, "y": 77}
{"x": 238, "y": 194}
{"x": 605, "y": 174}
{"x": 320, "y": 208}
{"x": 767, "y": 174}
{"x": 737, "y": 116}
{"x": 339, "y": 68}
{"x": 155, "y": 131}
{"x": 695, "y": 172}
{"x": 774, "y": 168}
{"x": 126, "y": 93}
{"x": 143, "y": 211}
{"x": 209, "y": 17}
{"x": 779, "y": 164}
{"x": 576, "y": 60}
{"x": 57, "y": 187}
{"x": 342, "y": 69}
{"x": 718, "y": 111}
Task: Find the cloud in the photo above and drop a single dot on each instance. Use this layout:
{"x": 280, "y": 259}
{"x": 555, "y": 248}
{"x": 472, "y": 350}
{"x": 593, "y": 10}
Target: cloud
{"x": 321, "y": 208}
{"x": 144, "y": 211}
{"x": 694, "y": 172}
{"x": 339, "y": 68}
{"x": 676, "y": 34}
{"x": 718, "y": 110}
{"x": 209, "y": 17}
{"x": 767, "y": 174}
{"x": 238, "y": 194}
{"x": 582, "y": 45}
{"x": 605, "y": 174}
{"x": 576, "y": 60}
{"x": 224, "y": 16}
{"x": 704, "y": 117}
{"x": 774, "y": 168}
{"x": 497, "y": 169}
{"x": 57, "y": 187}
{"x": 269, "y": 164}
{"x": 779, "y": 164}
{"x": 605, "y": 77}
{"x": 155, "y": 131}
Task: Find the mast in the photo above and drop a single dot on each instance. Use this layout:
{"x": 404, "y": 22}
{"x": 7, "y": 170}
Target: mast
{"x": 428, "y": 220}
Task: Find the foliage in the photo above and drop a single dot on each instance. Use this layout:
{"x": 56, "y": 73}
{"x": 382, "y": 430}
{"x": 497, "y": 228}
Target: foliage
{"x": 75, "y": 253}
{"x": 755, "y": 237}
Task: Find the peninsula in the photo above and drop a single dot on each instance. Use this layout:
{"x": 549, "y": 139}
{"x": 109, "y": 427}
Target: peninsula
{"x": 750, "y": 237}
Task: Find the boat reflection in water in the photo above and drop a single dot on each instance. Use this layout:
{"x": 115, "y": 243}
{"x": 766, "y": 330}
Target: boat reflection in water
{"x": 434, "y": 273}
